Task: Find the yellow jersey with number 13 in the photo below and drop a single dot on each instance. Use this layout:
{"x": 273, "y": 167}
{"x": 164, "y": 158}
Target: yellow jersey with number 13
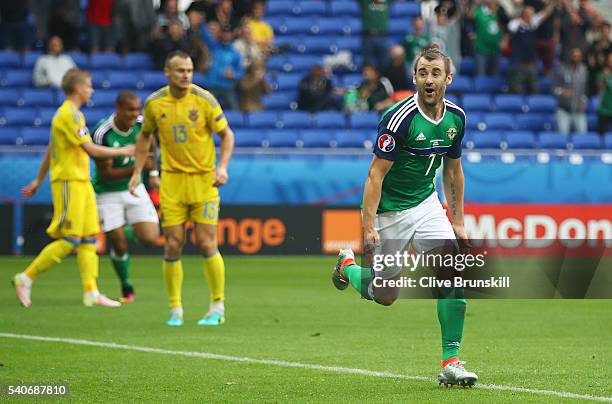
{"x": 185, "y": 126}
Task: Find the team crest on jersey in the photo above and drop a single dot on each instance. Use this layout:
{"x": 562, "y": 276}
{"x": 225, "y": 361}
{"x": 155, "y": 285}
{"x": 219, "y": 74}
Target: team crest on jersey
{"x": 386, "y": 143}
{"x": 193, "y": 115}
{"x": 451, "y": 133}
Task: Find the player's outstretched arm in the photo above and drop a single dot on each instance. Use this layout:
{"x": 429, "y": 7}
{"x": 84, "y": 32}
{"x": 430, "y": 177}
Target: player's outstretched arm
{"x": 29, "y": 190}
{"x": 453, "y": 191}
{"x": 101, "y": 152}
{"x": 143, "y": 142}
{"x": 227, "y": 147}
{"x": 371, "y": 198}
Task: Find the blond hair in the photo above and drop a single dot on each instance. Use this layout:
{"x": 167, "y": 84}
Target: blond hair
{"x": 73, "y": 77}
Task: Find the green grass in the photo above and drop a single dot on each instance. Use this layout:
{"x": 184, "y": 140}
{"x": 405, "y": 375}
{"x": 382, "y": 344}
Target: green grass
{"x": 287, "y": 309}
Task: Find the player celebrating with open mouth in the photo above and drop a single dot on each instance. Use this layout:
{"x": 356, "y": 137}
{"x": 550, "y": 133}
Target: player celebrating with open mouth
{"x": 400, "y": 203}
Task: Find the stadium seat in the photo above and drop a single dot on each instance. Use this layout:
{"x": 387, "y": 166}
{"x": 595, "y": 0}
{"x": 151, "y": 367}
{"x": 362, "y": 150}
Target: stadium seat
{"x": 263, "y": 119}
{"x": 330, "y": 120}
{"x": 399, "y": 28}
{"x": 461, "y": 84}
{"x": 608, "y": 141}
{"x": 279, "y": 101}
{"x": 279, "y": 7}
{"x": 405, "y": 10}
{"x": 10, "y": 136}
{"x": 316, "y": 138}
{"x": 105, "y": 61}
{"x": 16, "y": 78}
{"x": 468, "y": 66}
{"x": 365, "y": 120}
{"x": 276, "y": 63}
{"x": 9, "y": 59}
{"x": 333, "y": 26}
{"x": 288, "y": 81}
{"x": 153, "y": 80}
{"x": 249, "y": 137}
{"x": 499, "y": 121}
{"x": 14, "y": 116}
{"x": 352, "y": 80}
{"x": 452, "y": 98}
{"x": 124, "y": 80}
{"x": 345, "y": 9}
{"x": 521, "y": 140}
{"x": 302, "y": 63}
{"x": 317, "y": 45}
{"x": 488, "y": 85}
{"x": 35, "y": 136}
{"x": 535, "y": 121}
{"x": 350, "y": 43}
{"x": 353, "y": 26}
{"x": 474, "y": 121}
{"x": 544, "y": 85}
{"x": 99, "y": 79}
{"x": 466, "y": 141}
{"x": 593, "y": 105}
{"x": 553, "y": 140}
{"x": 44, "y": 116}
{"x": 509, "y": 103}
{"x": 487, "y": 140}
{"x": 282, "y": 138}
{"x": 36, "y": 98}
{"x": 235, "y": 119}
{"x": 103, "y": 98}
{"x": 352, "y": 138}
{"x": 79, "y": 59}
{"x": 542, "y": 103}
{"x": 30, "y": 58}
{"x": 295, "y": 120}
{"x": 94, "y": 115}
{"x": 592, "y": 122}
{"x": 476, "y": 103}
{"x": 584, "y": 141}
{"x": 313, "y": 8}
{"x": 138, "y": 61}
{"x": 299, "y": 26}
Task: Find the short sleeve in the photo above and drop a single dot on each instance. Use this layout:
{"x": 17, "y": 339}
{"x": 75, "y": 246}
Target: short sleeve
{"x": 149, "y": 124}
{"x": 393, "y": 128}
{"x": 454, "y": 152}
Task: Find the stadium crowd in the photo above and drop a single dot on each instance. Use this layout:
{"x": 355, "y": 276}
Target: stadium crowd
{"x": 525, "y": 42}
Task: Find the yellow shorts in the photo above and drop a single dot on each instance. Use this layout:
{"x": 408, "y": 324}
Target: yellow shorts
{"x": 74, "y": 210}
{"x": 188, "y": 197}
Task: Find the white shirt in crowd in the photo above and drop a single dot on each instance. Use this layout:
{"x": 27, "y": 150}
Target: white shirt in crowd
{"x": 50, "y": 69}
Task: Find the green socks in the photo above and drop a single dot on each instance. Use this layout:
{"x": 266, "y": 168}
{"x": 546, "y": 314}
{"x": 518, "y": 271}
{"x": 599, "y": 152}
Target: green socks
{"x": 121, "y": 264}
{"x": 359, "y": 278}
{"x": 451, "y": 314}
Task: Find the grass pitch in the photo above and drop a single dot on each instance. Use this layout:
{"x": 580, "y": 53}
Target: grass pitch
{"x": 287, "y": 309}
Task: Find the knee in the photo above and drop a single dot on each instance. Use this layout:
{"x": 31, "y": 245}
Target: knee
{"x": 208, "y": 246}
{"x": 386, "y": 301}
{"x": 174, "y": 245}
{"x": 120, "y": 247}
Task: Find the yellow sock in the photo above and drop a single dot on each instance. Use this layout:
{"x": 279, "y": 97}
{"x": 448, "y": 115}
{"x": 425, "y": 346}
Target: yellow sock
{"x": 52, "y": 254}
{"x": 173, "y": 275}
{"x": 87, "y": 260}
{"x": 214, "y": 271}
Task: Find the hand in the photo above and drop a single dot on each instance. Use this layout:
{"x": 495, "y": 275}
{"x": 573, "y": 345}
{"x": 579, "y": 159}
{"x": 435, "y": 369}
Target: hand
{"x": 229, "y": 74}
{"x": 154, "y": 183}
{"x": 129, "y": 150}
{"x": 134, "y": 182}
{"x": 221, "y": 176}
{"x": 371, "y": 239}
{"x": 29, "y": 190}
{"x": 462, "y": 238}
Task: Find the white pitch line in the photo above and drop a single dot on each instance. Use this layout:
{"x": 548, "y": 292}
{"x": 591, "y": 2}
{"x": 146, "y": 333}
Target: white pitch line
{"x": 335, "y": 369}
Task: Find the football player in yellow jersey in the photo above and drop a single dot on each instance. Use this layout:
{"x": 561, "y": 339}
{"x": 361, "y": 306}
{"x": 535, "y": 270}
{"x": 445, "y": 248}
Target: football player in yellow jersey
{"x": 75, "y": 217}
{"x": 185, "y": 116}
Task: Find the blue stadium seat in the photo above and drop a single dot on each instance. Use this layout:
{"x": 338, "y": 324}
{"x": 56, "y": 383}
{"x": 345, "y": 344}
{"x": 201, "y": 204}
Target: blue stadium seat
{"x": 16, "y": 78}
{"x": 10, "y": 136}
{"x": 499, "y": 121}
{"x": 608, "y": 141}
{"x": 509, "y": 103}
{"x": 474, "y": 121}
{"x": 405, "y": 10}
{"x": 365, "y": 120}
{"x": 263, "y": 119}
{"x": 332, "y": 26}
{"x": 276, "y": 63}
{"x": 30, "y": 58}
{"x": 282, "y": 138}
{"x": 249, "y": 137}
{"x": 279, "y": 7}
{"x": 315, "y": 8}
{"x": 487, "y": 140}
{"x": 352, "y": 26}
{"x": 302, "y": 63}
{"x": 593, "y": 105}
{"x": 279, "y": 101}
{"x": 138, "y": 61}
{"x": 288, "y": 81}
{"x": 582, "y": 141}
{"x": 79, "y": 59}
{"x": 476, "y": 103}
{"x": 99, "y": 79}
{"x": 103, "y": 98}
{"x": 299, "y": 25}
{"x": 350, "y": 43}
{"x": 535, "y": 121}
{"x": 352, "y": 138}
{"x": 330, "y": 120}
{"x": 35, "y": 136}
{"x": 235, "y": 119}
{"x": 352, "y": 80}
{"x": 10, "y": 59}
{"x": 153, "y": 80}
{"x": 461, "y": 84}
{"x": 466, "y": 141}
{"x": 521, "y": 140}
{"x": 93, "y": 115}
{"x": 452, "y": 98}
{"x": 488, "y": 84}
{"x": 14, "y": 116}
{"x": 399, "y": 28}
{"x": 544, "y": 85}
{"x": 553, "y": 140}
{"x": 542, "y": 103}
{"x": 316, "y": 138}
{"x": 124, "y": 80}
{"x": 345, "y": 9}
{"x": 36, "y": 98}
{"x": 317, "y": 45}
{"x": 592, "y": 122}
{"x": 44, "y": 116}
{"x": 468, "y": 66}
{"x": 105, "y": 61}
{"x": 295, "y": 120}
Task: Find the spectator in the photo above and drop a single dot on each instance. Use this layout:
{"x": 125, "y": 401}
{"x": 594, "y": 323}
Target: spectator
{"x": 316, "y": 91}
{"x": 597, "y": 56}
{"x": 252, "y": 87}
{"x": 262, "y": 32}
{"x": 65, "y": 22}
{"x": 50, "y": 68}
{"x": 172, "y": 40}
{"x": 604, "y": 113}
{"x": 135, "y": 22}
{"x": 226, "y": 69}
{"x": 487, "y": 45}
{"x": 375, "y": 25}
{"x": 416, "y": 40}
{"x": 198, "y": 50}
{"x": 574, "y": 24}
{"x": 374, "y": 88}
{"x": 546, "y": 36}
{"x": 445, "y": 30}
{"x": 523, "y": 73}
{"x": 569, "y": 86}
{"x": 171, "y": 12}
{"x": 223, "y": 13}
{"x": 398, "y": 71}
{"x": 247, "y": 48}
{"x": 242, "y": 8}
{"x": 14, "y": 30}
{"x": 101, "y": 29}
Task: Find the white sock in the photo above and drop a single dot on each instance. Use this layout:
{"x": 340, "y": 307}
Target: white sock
{"x": 177, "y": 310}
{"x": 24, "y": 278}
{"x": 218, "y": 307}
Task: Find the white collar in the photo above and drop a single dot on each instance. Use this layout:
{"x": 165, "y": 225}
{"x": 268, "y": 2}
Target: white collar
{"x": 425, "y": 115}
{"x": 116, "y": 129}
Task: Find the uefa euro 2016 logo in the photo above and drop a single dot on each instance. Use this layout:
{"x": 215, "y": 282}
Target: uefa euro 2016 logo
{"x": 386, "y": 143}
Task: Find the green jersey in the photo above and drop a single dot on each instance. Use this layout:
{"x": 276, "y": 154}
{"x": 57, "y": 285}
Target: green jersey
{"x": 605, "y": 106}
{"x": 106, "y": 133}
{"x": 488, "y": 34}
{"x": 416, "y": 145}
{"x": 412, "y": 46}
{"x": 375, "y": 16}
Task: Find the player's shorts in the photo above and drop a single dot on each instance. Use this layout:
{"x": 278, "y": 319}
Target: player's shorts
{"x": 118, "y": 208}
{"x": 421, "y": 228}
{"x": 188, "y": 197}
{"x": 74, "y": 210}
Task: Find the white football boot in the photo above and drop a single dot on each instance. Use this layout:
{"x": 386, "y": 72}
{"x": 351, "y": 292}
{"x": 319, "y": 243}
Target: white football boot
{"x": 455, "y": 374}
